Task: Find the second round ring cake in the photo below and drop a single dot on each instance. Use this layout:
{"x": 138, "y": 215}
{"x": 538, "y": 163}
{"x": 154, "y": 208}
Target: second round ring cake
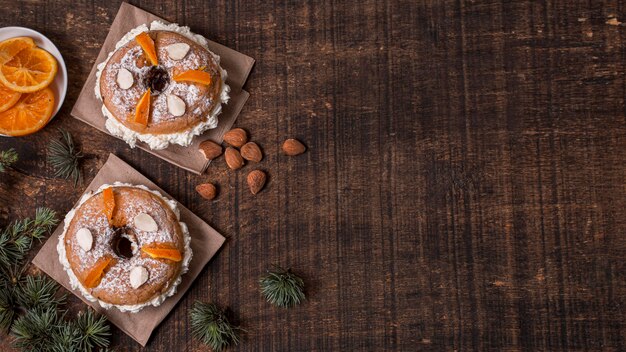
{"x": 161, "y": 85}
{"x": 125, "y": 247}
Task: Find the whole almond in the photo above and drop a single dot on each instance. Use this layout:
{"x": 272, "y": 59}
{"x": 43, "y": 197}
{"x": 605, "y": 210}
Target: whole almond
{"x": 207, "y": 190}
{"x": 233, "y": 158}
{"x": 256, "y": 181}
{"x": 210, "y": 149}
{"x": 251, "y": 151}
{"x": 293, "y": 147}
{"x": 236, "y": 137}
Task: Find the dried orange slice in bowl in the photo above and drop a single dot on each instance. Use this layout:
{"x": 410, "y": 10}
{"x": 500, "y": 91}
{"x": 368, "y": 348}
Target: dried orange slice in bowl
{"x": 29, "y": 114}
{"x": 10, "y": 47}
{"x": 29, "y": 70}
{"x": 16, "y": 39}
{"x": 8, "y": 98}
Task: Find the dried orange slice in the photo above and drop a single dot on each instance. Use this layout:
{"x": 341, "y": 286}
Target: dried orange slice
{"x": 10, "y": 47}
{"x": 142, "y": 111}
{"x": 147, "y": 44}
{"x": 29, "y": 70}
{"x": 96, "y": 273}
{"x": 108, "y": 200}
{"x": 28, "y": 115}
{"x": 162, "y": 251}
{"x": 195, "y": 76}
{"x": 8, "y": 98}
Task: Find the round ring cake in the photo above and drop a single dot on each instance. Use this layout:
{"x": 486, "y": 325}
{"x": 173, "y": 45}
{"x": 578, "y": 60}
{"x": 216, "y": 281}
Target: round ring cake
{"x": 161, "y": 85}
{"x": 125, "y": 247}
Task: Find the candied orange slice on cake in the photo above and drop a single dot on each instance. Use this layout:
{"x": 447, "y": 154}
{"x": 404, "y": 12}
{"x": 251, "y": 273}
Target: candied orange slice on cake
{"x": 162, "y": 251}
{"x": 195, "y": 76}
{"x": 109, "y": 202}
{"x": 10, "y": 47}
{"x": 142, "y": 111}
{"x": 8, "y": 98}
{"x": 147, "y": 44}
{"x": 31, "y": 112}
{"x": 29, "y": 70}
{"x": 96, "y": 273}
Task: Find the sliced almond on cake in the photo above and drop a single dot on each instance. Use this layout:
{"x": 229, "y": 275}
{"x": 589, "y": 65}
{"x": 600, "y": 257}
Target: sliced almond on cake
{"x": 177, "y": 51}
{"x": 138, "y": 276}
{"x": 175, "y": 105}
{"x": 84, "y": 239}
{"x": 124, "y": 78}
{"x": 145, "y": 222}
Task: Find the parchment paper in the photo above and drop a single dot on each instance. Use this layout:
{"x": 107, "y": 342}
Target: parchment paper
{"x": 205, "y": 242}
{"x": 89, "y": 109}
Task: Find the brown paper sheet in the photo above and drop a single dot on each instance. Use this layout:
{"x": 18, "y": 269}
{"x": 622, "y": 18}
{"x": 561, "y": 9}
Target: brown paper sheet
{"x": 88, "y": 107}
{"x": 205, "y": 242}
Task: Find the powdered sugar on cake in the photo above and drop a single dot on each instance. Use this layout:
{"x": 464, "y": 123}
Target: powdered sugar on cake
{"x": 117, "y": 276}
{"x": 189, "y": 93}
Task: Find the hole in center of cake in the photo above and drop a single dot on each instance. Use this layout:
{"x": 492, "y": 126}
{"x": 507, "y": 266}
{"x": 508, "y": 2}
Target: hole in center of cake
{"x": 123, "y": 243}
{"x": 156, "y": 79}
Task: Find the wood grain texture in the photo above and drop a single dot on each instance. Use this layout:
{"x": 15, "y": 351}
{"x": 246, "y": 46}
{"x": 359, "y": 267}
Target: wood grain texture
{"x": 463, "y": 188}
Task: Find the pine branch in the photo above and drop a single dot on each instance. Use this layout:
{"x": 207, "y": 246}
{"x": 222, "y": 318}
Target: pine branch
{"x": 29, "y": 305}
{"x": 10, "y": 279}
{"x": 45, "y": 219}
{"x": 282, "y": 288}
{"x": 39, "y": 292}
{"x": 65, "y": 157}
{"x": 18, "y": 237}
{"x": 93, "y": 331}
{"x": 7, "y": 158}
{"x": 8, "y": 308}
{"x": 210, "y": 324}
{"x": 65, "y": 339}
{"x": 13, "y": 276}
{"x": 35, "y": 330}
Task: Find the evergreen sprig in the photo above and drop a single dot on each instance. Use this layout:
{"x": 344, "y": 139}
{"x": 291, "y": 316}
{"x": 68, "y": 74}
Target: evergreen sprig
{"x": 9, "y": 308}
{"x": 7, "y": 158}
{"x": 44, "y": 329}
{"x": 30, "y": 306}
{"x": 93, "y": 331}
{"x": 18, "y": 237}
{"x": 282, "y": 287}
{"x": 39, "y": 292}
{"x": 210, "y": 325}
{"x": 65, "y": 157}
{"x": 35, "y": 330}
{"x": 65, "y": 338}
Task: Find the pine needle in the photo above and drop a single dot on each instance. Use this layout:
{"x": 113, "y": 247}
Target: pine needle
{"x": 65, "y": 157}
{"x": 29, "y": 305}
{"x": 65, "y": 339}
{"x": 18, "y": 237}
{"x": 210, "y": 324}
{"x": 282, "y": 288}
{"x": 39, "y": 292}
{"x": 7, "y": 158}
{"x": 93, "y": 331}
{"x": 35, "y": 330}
{"x": 8, "y": 308}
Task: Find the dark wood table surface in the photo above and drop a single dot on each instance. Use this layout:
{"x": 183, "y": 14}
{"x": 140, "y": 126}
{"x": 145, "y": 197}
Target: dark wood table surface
{"x": 463, "y": 189}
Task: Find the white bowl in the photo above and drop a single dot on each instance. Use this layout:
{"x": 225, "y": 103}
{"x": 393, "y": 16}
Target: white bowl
{"x": 59, "y": 85}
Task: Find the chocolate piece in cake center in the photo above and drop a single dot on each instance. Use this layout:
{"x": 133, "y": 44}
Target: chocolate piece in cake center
{"x": 156, "y": 80}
